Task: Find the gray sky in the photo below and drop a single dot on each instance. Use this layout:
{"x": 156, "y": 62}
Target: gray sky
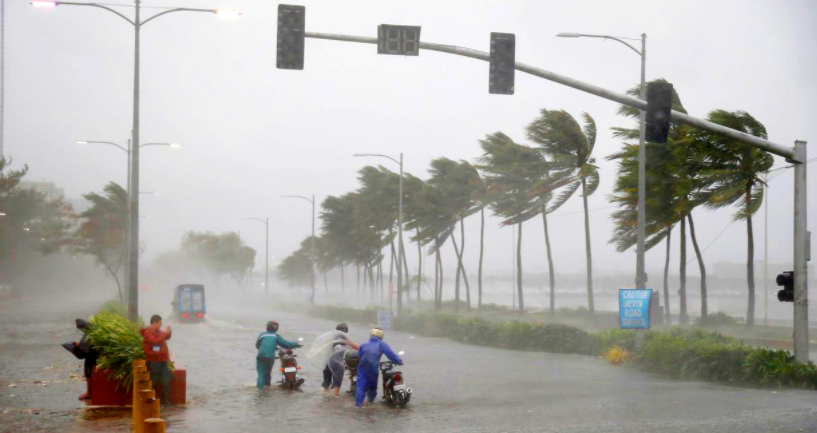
{"x": 252, "y": 132}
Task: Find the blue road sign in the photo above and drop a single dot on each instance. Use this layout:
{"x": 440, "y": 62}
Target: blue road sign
{"x": 384, "y": 319}
{"x": 634, "y": 308}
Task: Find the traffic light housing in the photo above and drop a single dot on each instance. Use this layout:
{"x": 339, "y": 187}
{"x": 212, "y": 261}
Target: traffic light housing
{"x": 786, "y": 280}
{"x": 503, "y": 64}
{"x": 291, "y": 28}
{"x": 659, "y": 105}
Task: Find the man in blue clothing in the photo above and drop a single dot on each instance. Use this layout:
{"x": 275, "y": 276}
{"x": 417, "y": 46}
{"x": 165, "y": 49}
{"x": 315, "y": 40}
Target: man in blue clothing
{"x": 266, "y": 344}
{"x": 369, "y": 366}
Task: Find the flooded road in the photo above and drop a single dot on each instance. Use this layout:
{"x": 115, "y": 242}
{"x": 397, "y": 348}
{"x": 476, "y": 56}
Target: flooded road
{"x": 457, "y": 388}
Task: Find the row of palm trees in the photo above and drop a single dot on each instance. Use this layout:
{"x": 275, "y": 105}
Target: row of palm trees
{"x": 693, "y": 168}
{"x": 518, "y": 182}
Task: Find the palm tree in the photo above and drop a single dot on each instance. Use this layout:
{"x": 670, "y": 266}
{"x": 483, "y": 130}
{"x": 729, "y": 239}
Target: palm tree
{"x": 518, "y": 190}
{"x": 734, "y": 178}
{"x": 457, "y": 182}
{"x": 412, "y": 197}
{"x": 430, "y": 219}
{"x": 674, "y": 190}
{"x": 568, "y": 144}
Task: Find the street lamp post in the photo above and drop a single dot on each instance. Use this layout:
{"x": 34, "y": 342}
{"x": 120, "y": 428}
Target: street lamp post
{"x": 641, "y": 276}
{"x": 312, "y": 243}
{"x": 137, "y": 23}
{"x": 399, "y": 227}
{"x": 265, "y": 221}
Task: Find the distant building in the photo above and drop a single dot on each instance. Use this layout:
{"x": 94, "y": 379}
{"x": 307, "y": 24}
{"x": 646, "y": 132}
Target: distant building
{"x": 48, "y": 189}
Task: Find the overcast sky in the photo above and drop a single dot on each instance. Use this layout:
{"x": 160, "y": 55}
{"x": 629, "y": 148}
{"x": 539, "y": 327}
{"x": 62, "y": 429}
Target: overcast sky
{"x": 252, "y": 133}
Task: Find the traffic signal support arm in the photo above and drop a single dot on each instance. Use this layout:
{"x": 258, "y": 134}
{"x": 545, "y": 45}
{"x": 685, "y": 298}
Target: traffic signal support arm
{"x": 777, "y": 149}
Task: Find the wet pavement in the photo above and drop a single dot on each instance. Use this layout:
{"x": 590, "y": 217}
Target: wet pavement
{"x": 457, "y": 388}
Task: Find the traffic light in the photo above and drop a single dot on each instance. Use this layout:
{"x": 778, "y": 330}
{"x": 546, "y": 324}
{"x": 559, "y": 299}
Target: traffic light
{"x": 659, "y": 105}
{"x": 503, "y": 64}
{"x": 786, "y": 280}
{"x": 291, "y": 25}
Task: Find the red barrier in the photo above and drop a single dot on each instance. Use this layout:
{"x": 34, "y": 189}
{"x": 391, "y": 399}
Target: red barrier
{"x": 104, "y": 391}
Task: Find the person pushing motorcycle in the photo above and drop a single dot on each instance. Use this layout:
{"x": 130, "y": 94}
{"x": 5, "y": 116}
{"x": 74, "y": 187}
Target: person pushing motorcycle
{"x": 333, "y": 372}
{"x": 265, "y": 359}
{"x": 367, "y": 372}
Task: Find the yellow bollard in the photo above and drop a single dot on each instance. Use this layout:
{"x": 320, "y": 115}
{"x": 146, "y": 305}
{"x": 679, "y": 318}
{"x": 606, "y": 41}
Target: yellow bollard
{"x": 141, "y": 409}
{"x": 154, "y": 425}
{"x": 138, "y": 386}
{"x": 138, "y": 363}
{"x": 152, "y": 409}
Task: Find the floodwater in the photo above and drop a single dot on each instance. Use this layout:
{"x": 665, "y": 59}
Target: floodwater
{"x": 457, "y": 388}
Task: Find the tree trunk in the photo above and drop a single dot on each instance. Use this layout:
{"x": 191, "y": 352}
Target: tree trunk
{"x": 325, "y": 282}
{"x": 391, "y": 269}
{"x": 419, "y": 265}
{"x": 405, "y": 275}
{"x": 551, "y": 275}
{"x": 373, "y": 283}
{"x": 457, "y": 279}
{"x": 442, "y": 280}
{"x": 481, "y": 251}
{"x": 462, "y": 253}
{"x": 684, "y": 318}
{"x": 519, "y": 268}
{"x": 701, "y": 267}
{"x": 667, "y": 314}
{"x": 750, "y": 263}
{"x": 357, "y": 267}
{"x": 342, "y": 278}
{"x": 380, "y": 278}
{"x": 460, "y": 269}
{"x": 590, "y": 304}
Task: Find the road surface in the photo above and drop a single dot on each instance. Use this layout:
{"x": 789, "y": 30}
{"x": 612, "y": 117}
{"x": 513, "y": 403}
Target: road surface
{"x": 457, "y": 388}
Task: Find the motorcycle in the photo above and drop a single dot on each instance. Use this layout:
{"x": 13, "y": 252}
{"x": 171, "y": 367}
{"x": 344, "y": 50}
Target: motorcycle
{"x": 351, "y": 359}
{"x": 395, "y": 391}
{"x": 289, "y": 369}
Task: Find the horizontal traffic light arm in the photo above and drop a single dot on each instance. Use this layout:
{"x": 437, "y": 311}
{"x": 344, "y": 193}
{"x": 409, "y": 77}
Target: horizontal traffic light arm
{"x": 777, "y": 149}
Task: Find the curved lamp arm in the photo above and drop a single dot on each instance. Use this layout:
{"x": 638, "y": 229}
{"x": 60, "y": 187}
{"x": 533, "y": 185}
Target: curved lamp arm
{"x": 615, "y": 38}
{"x": 379, "y": 155}
{"x": 176, "y": 10}
{"x": 105, "y": 142}
{"x": 95, "y": 5}
{"x": 297, "y": 196}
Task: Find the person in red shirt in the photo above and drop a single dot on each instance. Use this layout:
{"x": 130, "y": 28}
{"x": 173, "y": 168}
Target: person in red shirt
{"x": 154, "y": 343}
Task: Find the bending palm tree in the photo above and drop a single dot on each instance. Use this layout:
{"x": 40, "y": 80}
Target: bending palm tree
{"x": 569, "y": 145}
{"x": 734, "y": 178}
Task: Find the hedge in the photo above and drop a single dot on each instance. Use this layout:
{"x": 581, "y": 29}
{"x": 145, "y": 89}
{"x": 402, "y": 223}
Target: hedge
{"x": 687, "y": 353}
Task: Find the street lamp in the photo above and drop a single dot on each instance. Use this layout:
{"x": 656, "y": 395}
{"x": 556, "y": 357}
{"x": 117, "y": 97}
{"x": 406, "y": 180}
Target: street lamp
{"x": 137, "y": 23}
{"x": 266, "y": 254}
{"x": 312, "y": 243}
{"x": 641, "y": 276}
{"x": 399, "y": 227}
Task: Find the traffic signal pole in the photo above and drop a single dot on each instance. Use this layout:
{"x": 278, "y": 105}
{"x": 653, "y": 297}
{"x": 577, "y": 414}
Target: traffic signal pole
{"x": 801, "y": 253}
{"x": 796, "y": 155}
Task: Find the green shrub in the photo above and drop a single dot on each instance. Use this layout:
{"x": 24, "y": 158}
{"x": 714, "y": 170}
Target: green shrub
{"x": 677, "y": 352}
{"x": 623, "y": 338}
{"x": 778, "y": 367}
{"x": 119, "y": 343}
